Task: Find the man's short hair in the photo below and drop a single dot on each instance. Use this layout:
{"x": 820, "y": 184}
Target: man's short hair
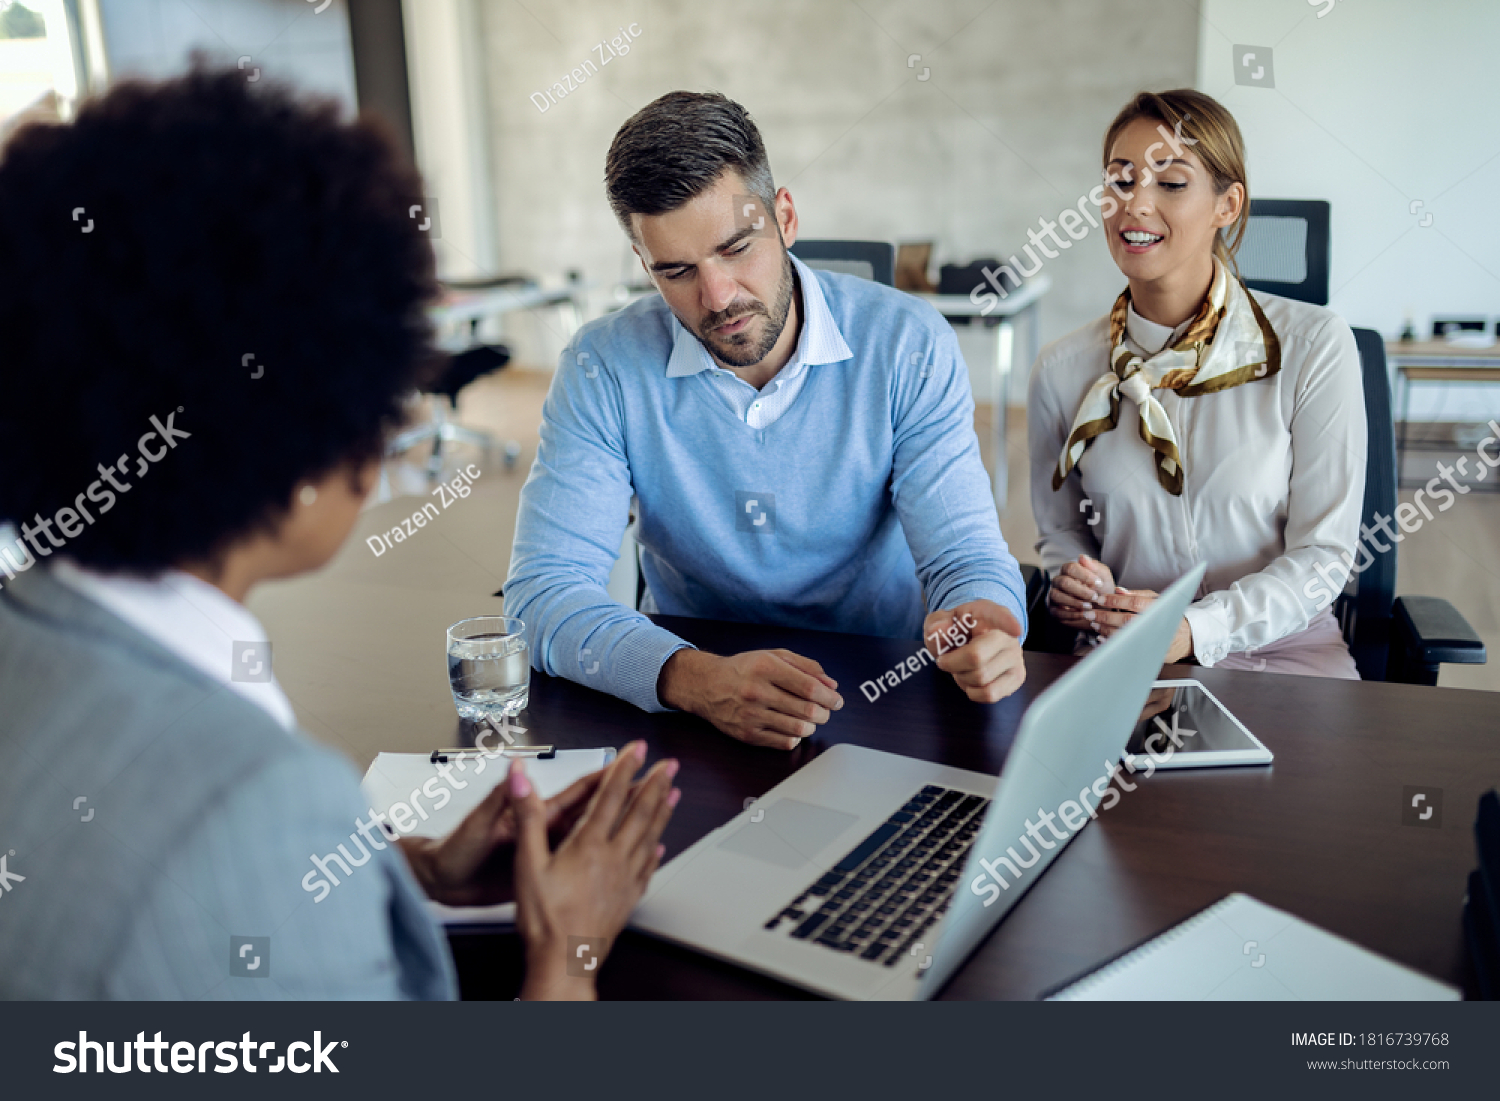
{"x": 675, "y": 148}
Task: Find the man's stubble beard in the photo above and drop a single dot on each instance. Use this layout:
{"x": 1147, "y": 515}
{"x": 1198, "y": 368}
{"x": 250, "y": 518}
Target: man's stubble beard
{"x": 737, "y": 353}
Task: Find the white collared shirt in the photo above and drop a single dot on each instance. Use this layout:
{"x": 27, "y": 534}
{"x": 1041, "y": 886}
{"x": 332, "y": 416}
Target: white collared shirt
{"x": 819, "y": 342}
{"x": 1146, "y": 338}
{"x": 1273, "y": 480}
{"x": 190, "y": 618}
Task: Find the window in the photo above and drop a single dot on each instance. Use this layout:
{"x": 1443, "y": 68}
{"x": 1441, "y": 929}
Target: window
{"x": 38, "y": 78}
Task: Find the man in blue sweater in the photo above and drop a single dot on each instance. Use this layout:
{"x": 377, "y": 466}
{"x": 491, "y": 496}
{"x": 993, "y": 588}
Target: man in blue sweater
{"x": 800, "y": 444}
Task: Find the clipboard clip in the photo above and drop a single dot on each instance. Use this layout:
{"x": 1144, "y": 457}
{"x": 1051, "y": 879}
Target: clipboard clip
{"x": 539, "y": 752}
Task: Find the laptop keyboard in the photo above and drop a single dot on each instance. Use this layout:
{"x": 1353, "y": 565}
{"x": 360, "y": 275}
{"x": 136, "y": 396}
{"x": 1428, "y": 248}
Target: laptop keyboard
{"x": 894, "y": 884}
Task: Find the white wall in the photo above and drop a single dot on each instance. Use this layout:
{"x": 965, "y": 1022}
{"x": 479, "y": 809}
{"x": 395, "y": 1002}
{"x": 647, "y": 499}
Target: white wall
{"x": 1005, "y": 130}
{"x": 450, "y": 127}
{"x": 1379, "y": 104}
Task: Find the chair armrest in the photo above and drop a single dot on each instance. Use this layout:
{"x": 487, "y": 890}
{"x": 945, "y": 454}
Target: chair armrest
{"x": 1434, "y": 632}
{"x": 1035, "y": 580}
{"x": 1043, "y": 633}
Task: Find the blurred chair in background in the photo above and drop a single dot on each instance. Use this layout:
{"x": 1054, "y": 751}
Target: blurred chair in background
{"x": 867, "y": 259}
{"x": 470, "y": 303}
{"x": 912, "y": 262}
{"x": 1286, "y": 249}
{"x": 462, "y": 369}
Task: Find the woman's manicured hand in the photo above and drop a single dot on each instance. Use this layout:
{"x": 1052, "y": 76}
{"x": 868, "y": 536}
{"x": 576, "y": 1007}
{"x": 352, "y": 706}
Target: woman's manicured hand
{"x": 573, "y": 900}
{"x": 1077, "y": 591}
{"x": 1116, "y": 610}
{"x": 472, "y": 866}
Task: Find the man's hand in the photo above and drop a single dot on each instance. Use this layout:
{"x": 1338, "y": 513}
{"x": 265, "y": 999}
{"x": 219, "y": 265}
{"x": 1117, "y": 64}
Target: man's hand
{"x": 472, "y": 865}
{"x": 588, "y": 885}
{"x": 1078, "y": 590}
{"x": 763, "y": 697}
{"x": 979, "y": 643}
{"x": 1124, "y": 605}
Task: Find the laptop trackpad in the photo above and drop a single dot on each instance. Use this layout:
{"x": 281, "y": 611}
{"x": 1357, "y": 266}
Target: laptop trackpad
{"x": 790, "y": 833}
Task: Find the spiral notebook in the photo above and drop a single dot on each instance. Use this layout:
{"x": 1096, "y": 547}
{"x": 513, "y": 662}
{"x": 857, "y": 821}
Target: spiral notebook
{"x": 1240, "y": 949}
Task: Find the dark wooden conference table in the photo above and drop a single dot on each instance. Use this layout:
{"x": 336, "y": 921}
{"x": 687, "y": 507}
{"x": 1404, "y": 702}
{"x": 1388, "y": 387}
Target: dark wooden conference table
{"x": 359, "y": 651}
{"x": 1319, "y": 833}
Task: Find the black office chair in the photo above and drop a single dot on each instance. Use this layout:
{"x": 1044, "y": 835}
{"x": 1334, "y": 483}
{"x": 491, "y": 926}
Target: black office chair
{"x": 1286, "y": 249}
{"x": 1406, "y": 638}
{"x": 442, "y": 393}
{"x": 867, "y": 259}
{"x": 1400, "y": 639}
{"x": 473, "y": 363}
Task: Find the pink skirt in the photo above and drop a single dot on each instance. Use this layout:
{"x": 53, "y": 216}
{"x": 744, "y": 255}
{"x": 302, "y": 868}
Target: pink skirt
{"x": 1317, "y": 651}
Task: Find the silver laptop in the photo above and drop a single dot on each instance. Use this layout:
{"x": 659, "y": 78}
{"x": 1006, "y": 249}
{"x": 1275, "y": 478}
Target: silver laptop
{"x": 867, "y": 875}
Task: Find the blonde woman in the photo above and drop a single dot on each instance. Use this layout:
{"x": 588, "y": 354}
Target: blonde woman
{"x": 1197, "y": 420}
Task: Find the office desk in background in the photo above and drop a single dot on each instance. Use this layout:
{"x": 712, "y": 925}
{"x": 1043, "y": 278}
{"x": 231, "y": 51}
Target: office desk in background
{"x": 1020, "y": 303}
{"x": 1318, "y": 833}
{"x": 458, "y": 316}
{"x": 1434, "y": 362}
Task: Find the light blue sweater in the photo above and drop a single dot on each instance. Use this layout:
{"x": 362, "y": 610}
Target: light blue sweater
{"x": 863, "y": 506}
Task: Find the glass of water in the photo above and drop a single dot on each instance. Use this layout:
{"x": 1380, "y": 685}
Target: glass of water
{"x": 489, "y": 667}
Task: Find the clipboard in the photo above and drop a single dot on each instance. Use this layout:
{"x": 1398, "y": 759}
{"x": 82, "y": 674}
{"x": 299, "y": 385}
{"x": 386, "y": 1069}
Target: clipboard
{"x": 393, "y": 778}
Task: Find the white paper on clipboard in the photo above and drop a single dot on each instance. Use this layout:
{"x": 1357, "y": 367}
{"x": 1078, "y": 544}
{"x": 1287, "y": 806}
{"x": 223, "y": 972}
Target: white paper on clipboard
{"x": 414, "y": 777}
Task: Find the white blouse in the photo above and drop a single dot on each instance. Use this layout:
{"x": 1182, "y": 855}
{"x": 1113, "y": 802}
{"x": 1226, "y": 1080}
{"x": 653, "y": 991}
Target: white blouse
{"x": 189, "y": 617}
{"x": 1274, "y": 480}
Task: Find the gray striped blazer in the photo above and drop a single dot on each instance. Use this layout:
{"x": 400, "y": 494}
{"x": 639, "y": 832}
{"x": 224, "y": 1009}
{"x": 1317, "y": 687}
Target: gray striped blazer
{"x": 156, "y": 828}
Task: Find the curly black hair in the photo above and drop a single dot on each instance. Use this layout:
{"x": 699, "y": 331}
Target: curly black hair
{"x": 174, "y": 240}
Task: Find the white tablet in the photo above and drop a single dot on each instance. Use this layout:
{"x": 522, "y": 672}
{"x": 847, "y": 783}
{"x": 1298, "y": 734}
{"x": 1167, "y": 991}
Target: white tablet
{"x": 1184, "y": 726}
